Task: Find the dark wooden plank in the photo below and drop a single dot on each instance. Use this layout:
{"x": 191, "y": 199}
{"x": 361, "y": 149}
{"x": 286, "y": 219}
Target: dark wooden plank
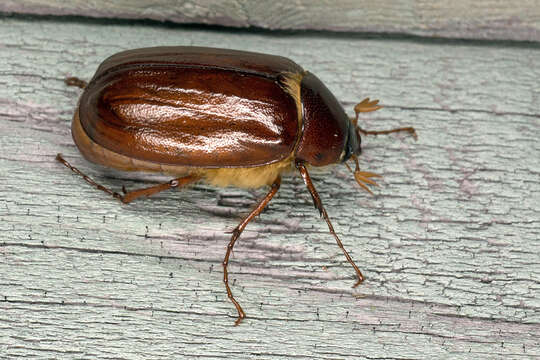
{"x": 482, "y": 19}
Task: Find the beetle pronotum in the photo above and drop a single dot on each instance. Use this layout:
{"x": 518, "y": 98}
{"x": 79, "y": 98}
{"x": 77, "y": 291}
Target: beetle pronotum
{"x": 226, "y": 117}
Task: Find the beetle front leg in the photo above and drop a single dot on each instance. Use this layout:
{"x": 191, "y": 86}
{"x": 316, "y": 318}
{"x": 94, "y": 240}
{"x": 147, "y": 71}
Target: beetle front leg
{"x": 236, "y": 233}
{"x": 129, "y": 196}
{"x": 318, "y": 204}
{"x": 410, "y": 130}
{"x": 367, "y": 105}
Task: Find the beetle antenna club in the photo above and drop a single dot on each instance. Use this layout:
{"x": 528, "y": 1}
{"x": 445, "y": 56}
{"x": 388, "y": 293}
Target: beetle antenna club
{"x": 362, "y": 177}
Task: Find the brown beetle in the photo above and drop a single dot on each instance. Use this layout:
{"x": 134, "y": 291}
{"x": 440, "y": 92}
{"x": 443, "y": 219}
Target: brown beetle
{"x": 226, "y": 117}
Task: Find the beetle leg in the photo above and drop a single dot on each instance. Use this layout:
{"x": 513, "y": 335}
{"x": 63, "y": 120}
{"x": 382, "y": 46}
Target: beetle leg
{"x": 367, "y": 106}
{"x": 236, "y": 233}
{"x": 318, "y": 204}
{"x": 410, "y": 130}
{"x": 75, "y": 81}
{"x": 174, "y": 183}
{"x": 131, "y": 195}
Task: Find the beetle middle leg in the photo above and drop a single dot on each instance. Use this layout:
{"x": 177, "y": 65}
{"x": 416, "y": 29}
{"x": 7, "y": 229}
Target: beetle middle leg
{"x": 236, "y": 233}
{"x": 129, "y": 196}
{"x": 318, "y": 204}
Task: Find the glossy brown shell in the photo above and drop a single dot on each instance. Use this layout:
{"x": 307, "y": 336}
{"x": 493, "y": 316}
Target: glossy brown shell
{"x": 326, "y": 126}
{"x": 191, "y": 106}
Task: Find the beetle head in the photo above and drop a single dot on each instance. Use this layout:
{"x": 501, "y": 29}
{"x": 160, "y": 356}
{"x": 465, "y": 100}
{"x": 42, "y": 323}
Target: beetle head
{"x": 353, "y": 146}
{"x": 353, "y": 143}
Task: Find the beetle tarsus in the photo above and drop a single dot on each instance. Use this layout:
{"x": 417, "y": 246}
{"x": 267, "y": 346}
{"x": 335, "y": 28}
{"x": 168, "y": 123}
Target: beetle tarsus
{"x": 75, "y": 81}
{"x": 86, "y": 178}
{"x": 359, "y": 281}
{"x": 236, "y": 234}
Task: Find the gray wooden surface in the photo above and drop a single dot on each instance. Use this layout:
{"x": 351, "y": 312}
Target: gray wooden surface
{"x": 450, "y": 244}
{"x": 479, "y": 19}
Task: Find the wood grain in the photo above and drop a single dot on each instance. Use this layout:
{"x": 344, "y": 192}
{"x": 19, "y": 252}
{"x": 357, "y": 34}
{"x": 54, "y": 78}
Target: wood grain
{"x": 449, "y": 245}
{"x": 481, "y": 19}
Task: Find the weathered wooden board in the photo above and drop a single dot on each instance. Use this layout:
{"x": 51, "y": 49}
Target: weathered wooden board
{"x": 450, "y": 244}
{"x": 481, "y": 19}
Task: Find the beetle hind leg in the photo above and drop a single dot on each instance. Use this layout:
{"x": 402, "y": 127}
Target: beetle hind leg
{"x": 129, "y": 196}
{"x": 236, "y": 234}
{"x": 75, "y": 81}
